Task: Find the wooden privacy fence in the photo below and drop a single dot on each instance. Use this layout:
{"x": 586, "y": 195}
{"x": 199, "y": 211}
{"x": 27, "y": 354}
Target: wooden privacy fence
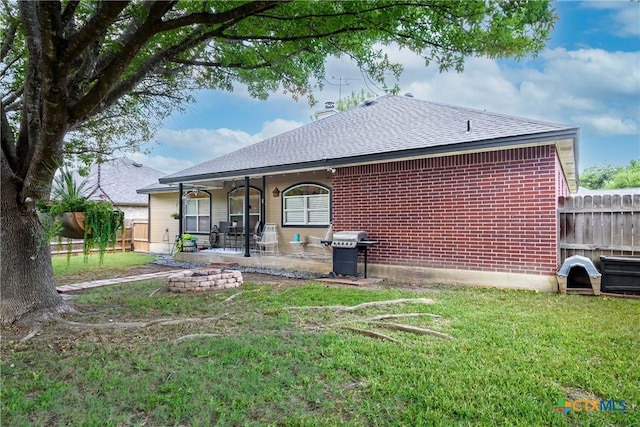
{"x": 134, "y": 238}
{"x": 596, "y": 225}
{"x": 140, "y": 235}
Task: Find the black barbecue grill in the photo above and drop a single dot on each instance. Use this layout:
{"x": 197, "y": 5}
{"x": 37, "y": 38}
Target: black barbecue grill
{"x": 346, "y": 247}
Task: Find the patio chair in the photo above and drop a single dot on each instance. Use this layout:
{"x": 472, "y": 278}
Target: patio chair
{"x": 214, "y": 237}
{"x": 315, "y": 247}
{"x": 268, "y": 242}
{"x": 257, "y": 234}
{"x": 224, "y": 227}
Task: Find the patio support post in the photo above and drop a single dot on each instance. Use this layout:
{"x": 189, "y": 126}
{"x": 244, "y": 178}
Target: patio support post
{"x": 247, "y": 249}
{"x": 262, "y": 207}
{"x": 180, "y": 208}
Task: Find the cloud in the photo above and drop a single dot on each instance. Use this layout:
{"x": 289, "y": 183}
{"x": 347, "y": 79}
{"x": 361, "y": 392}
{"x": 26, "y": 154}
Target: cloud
{"x": 198, "y": 143}
{"x": 624, "y": 15}
{"x": 187, "y": 147}
{"x": 609, "y": 125}
{"x": 597, "y": 71}
{"x": 566, "y": 86}
{"x": 276, "y": 127}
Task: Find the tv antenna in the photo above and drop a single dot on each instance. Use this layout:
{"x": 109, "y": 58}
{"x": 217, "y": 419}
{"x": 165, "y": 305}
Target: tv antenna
{"x": 342, "y": 81}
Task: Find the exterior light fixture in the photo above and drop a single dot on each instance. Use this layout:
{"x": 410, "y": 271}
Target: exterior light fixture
{"x": 276, "y": 192}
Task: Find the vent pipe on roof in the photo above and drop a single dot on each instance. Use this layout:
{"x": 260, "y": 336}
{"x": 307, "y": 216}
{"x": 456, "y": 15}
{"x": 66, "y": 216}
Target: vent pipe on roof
{"x": 468, "y": 125}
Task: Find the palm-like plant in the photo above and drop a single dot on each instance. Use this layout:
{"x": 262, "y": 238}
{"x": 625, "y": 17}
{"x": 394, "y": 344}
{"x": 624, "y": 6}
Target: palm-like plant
{"x": 67, "y": 194}
{"x": 99, "y": 223}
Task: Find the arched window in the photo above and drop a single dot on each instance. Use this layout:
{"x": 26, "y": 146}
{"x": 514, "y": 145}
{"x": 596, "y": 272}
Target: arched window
{"x": 237, "y": 208}
{"x": 306, "y": 204}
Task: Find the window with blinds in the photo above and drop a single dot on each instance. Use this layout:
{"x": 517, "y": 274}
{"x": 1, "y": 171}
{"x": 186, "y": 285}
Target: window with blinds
{"x": 306, "y": 204}
{"x": 197, "y": 216}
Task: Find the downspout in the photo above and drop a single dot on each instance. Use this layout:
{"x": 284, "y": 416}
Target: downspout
{"x": 247, "y": 249}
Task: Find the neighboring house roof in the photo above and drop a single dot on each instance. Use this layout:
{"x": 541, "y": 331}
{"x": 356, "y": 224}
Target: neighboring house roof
{"x": 386, "y": 129}
{"x": 117, "y": 181}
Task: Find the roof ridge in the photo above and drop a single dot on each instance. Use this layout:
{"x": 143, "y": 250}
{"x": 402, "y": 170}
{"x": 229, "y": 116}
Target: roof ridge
{"x": 491, "y": 113}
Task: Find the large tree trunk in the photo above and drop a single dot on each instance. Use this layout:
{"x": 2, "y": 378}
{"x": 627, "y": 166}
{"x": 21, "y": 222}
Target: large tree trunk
{"x": 27, "y": 289}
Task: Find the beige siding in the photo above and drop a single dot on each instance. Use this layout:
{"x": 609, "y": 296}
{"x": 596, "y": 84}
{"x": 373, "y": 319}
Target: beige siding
{"x": 163, "y": 227}
{"x": 218, "y": 206}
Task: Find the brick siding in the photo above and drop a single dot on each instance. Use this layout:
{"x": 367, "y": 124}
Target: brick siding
{"x": 491, "y": 211}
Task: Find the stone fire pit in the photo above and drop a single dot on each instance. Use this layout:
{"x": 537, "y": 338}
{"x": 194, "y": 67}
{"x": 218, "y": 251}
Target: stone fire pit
{"x": 204, "y": 280}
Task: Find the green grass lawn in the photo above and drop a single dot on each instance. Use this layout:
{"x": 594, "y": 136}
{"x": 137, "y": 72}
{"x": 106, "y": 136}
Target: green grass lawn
{"x": 513, "y": 355}
{"x": 78, "y": 268}
{"x": 79, "y": 264}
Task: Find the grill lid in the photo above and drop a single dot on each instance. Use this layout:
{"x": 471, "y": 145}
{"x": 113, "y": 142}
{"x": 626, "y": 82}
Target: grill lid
{"x": 348, "y": 239}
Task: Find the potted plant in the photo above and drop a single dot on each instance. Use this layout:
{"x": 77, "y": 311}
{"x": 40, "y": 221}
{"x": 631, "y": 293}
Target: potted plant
{"x": 175, "y": 215}
{"x": 70, "y": 214}
{"x": 187, "y": 243}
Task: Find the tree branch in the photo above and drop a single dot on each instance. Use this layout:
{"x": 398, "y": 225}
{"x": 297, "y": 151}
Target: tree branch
{"x": 232, "y": 16}
{"x": 239, "y": 65}
{"x": 11, "y": 102}
{"x": 377, "y": 8}
{"x": 371, "y": 334}
{"x": 116, "y": 68}
{"x": 145, "y": 69}
{"x": 31, "y": 113}
{"x": 7, "y": 140}
{"x": 411, "y": 328}
{"x": 67, "y": 14}
{"x": 9, "y": 37}
{"x": 313, "y": 36}
{"x": 107, "y": 12}
{"x": 6, "y": 68}
{"x": 44, "y": 148}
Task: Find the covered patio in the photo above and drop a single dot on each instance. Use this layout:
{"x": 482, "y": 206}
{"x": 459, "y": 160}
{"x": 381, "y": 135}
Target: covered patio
{"x": 286, "y": 262}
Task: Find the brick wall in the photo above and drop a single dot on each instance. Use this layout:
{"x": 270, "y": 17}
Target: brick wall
{"x": 493, "y": 211}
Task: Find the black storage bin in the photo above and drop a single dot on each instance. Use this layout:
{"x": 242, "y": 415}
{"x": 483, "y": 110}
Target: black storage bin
{"x": 620, "y": 274}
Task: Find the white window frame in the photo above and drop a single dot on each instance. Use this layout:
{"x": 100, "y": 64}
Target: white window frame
{"x": 254, "y": 213}
{"x": 305, "y": 209}
{"x": 204, "y": 201}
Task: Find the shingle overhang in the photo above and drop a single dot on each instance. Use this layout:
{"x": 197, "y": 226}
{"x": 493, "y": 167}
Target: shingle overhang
{"x": 396, "y": 129}
{"x": 564, "y": 141}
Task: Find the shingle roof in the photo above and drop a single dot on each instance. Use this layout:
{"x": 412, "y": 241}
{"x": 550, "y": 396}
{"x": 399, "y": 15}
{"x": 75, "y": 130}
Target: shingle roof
{"x": 156, "y": 187}
{"x": 118, "y": 180}
{"x": 386, "y": 128}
